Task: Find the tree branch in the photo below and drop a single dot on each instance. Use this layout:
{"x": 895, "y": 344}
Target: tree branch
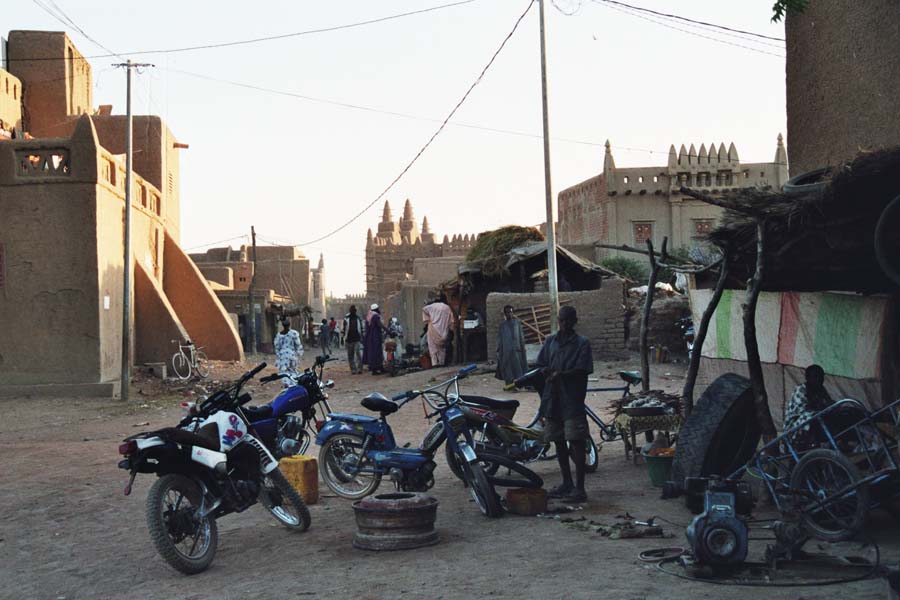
{"x": 624, "y": 248}
{"x": 690, "y": 378}
{"x": 754, "y": 364}
{"x": 720, "y": 202}
{"x": 645, "y": 315}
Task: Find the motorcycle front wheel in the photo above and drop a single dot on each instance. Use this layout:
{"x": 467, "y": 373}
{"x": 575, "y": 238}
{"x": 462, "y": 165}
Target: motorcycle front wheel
{"x": 482, "y": 491}
{"x": 340, "y": 460}
{"x": 284, "y": 502}
{"x": 187, "y": 543}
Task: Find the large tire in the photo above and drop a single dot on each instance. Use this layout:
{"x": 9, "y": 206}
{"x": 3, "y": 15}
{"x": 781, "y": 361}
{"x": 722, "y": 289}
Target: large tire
{"x": 482, "y": 491}
{"x": 332, "y": 455}
{"x": 282, "y": 487}
{"x": 824, "y": 474}
{"x": 479, "y": 447}
{"x": 505, "y": 472}
{"x": 166, "y": 521}
{"x": 721, "y": 434}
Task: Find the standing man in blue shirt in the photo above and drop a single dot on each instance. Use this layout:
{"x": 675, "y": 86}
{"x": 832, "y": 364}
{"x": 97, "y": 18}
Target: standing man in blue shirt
{"x": 567, "y": 360}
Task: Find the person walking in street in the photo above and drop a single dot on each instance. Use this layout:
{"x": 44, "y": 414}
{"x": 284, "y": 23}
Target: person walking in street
{"x": 373, "y": 351}
{"x": 354, "y": 332}
{"x": 325, "y": 338}
{"x": 288, "y": 350}
{"x": 439, "y": 317}
{"x": 511, "y": 359}
{"x": 566, "y": 360}
{"x": 335, "y": 335}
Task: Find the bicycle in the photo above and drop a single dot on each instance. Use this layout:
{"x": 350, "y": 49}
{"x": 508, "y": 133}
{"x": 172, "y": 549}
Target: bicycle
{"x": 190, "y": 359}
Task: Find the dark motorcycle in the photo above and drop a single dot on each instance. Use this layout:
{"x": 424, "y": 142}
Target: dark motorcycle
{"x": 211, "y": 465}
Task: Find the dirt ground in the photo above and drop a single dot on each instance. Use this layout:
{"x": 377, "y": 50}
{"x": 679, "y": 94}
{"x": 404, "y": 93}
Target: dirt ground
{"x": 68, "y": 532}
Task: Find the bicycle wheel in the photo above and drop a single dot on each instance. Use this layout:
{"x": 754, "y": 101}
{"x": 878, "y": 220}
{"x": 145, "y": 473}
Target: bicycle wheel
{"x": 202, "y": 364}
{"x": 831, "y": 500}
{"x": 181, "y": 366}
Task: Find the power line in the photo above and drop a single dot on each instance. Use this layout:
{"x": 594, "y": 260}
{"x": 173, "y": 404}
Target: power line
{"x": 266, "y": 38}
{"x": 686, "y": 19}
{"x": 612, "y": 6}
{"x": 61, "y": 16}
{"x": 433, "y": 136}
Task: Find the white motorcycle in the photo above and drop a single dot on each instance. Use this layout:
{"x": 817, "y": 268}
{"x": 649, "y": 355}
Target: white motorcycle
{"x": 209, "y": 466}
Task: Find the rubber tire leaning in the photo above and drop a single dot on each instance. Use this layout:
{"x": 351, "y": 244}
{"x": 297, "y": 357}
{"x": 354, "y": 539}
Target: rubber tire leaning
{"x": 157, "y": 526}
{"x": 481, "y": 486}
{"x": 290, "y": 494}
{"x": 861, "y": 491}
{"x": 491, "y": 461}
{"x": 697, "y": 433}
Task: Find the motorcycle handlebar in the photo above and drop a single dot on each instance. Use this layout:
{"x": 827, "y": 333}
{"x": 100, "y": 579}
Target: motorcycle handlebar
{"x": 269, "y": 378}
{"x": 401, "y": 396}
{"x": 466, "y": 370}
{"x": 249, "y": 374}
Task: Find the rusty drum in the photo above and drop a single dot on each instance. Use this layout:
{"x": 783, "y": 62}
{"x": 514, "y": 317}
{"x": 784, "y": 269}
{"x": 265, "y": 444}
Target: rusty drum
{"x": 397, "y": 521}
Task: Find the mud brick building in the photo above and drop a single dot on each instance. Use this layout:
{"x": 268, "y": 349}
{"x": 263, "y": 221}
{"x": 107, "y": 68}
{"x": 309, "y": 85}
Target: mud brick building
{"x": 62, "y": 208}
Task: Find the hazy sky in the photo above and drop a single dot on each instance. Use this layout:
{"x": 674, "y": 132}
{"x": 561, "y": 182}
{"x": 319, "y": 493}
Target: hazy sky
{"x": 297, "y": 168}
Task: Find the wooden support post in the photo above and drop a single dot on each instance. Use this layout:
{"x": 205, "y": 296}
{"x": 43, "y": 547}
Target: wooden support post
{"x": 645, "y": 316}
{"x": 690, "y": 379}
{"x": 754, "y": 365}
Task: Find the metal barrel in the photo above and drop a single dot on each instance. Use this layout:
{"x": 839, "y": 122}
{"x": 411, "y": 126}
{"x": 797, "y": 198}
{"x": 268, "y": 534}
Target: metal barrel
{"x": 398, "y": 521}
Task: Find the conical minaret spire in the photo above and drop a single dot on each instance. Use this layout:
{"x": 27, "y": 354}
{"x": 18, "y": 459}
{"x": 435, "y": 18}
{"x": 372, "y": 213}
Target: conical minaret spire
{"x": 386, "y": 216}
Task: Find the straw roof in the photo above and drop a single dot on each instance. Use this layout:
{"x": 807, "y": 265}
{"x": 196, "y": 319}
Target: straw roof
{"x": 819, "y": 240}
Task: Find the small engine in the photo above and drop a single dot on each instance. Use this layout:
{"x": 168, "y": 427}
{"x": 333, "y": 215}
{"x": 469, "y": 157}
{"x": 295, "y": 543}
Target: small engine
{"x": 290, "y": 437}
{"x": 420, "y": 480}
{"x": 717, "y": 536}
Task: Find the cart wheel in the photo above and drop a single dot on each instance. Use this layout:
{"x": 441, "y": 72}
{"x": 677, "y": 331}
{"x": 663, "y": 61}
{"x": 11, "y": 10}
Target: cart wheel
{"x": 828, "y": 477}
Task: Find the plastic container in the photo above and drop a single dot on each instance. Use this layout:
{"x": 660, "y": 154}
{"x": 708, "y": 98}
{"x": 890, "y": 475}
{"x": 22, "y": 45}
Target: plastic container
{"x": 303, "y": 473}
{"x": 659, "y": 468}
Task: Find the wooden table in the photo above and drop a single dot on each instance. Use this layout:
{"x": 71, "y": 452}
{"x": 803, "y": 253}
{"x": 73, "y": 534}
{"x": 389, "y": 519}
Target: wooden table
{"x": 631, "y": 426}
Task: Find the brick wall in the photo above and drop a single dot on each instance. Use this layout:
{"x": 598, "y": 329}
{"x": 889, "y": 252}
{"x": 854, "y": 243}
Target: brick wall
{"x": 600, "y": 316}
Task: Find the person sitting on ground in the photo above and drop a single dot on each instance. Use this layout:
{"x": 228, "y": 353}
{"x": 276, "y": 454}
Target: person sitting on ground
{"x": 808, "y": 399}
{"x": 567, "y": 360}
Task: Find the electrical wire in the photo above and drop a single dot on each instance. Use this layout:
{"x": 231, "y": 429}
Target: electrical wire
{"x": 63, "y": 18}
{"x": 686, "y": 19}
{"x": 266, "y": 38}
{"x": 433, "y": 136}
{"x": 607, "y": 4}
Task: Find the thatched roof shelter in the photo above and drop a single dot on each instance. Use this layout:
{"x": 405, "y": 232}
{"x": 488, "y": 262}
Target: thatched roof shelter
{"x": 817, "y": 240}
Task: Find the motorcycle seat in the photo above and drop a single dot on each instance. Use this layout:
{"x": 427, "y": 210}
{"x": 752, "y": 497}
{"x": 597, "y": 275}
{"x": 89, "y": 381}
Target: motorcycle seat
{"x": 351, "y": 418}
{"x": 632, "y": 377}
{"x": 378, "y": 403}
{"x": 258, "y": 413}
{"x": 210, "y": 440}
{"x": 491, "y": 402}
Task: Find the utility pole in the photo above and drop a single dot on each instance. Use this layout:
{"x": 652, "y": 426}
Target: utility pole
{"x": 125, "y": 377}
{"x": 251, "y": 309}
{"x": 552, "y": 278}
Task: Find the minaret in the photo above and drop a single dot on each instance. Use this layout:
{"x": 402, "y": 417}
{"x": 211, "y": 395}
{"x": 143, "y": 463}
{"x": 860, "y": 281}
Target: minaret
{"x": 781, "y": 162}
{"x": 388, "y": 231}
{"x": 713, "y": 154}
{"x": 609, "y": 168}
{"x": 692, "y": 155}
{"x": 673, "y": 159}
{"x": 409, "y": 232}
{"x": 386, "y": 216}
{"x": 370, "y": 239}
{"x": 427, "y": 237}
{"x": 321, "y": 261}
{"x": 732, "y": 153}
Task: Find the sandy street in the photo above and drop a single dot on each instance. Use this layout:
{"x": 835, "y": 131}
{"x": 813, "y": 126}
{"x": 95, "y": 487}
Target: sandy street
{"x": 68, "y": 531}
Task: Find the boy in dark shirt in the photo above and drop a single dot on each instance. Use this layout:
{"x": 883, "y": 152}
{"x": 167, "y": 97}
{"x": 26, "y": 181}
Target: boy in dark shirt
{"x": 567, "y": 360}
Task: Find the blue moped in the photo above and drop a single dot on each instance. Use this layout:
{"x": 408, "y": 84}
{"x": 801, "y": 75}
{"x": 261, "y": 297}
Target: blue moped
{"x": 357, "y": 450}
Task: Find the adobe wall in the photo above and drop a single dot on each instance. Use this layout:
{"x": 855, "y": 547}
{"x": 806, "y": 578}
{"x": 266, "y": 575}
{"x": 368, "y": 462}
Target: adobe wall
{"x": 842, "y": 85}
{"x": 155, "y": 321}
{"x": 10, "y": 100}
{"x": 54, "y": 89}
{"x": 48, "y": 270}
{"x": 435, "y": 271}
{"x": 222, "y": 275}
{"x": 286, "y": 277}
{"x": 198, "y": 308}
{"x": 600, "y": 316}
